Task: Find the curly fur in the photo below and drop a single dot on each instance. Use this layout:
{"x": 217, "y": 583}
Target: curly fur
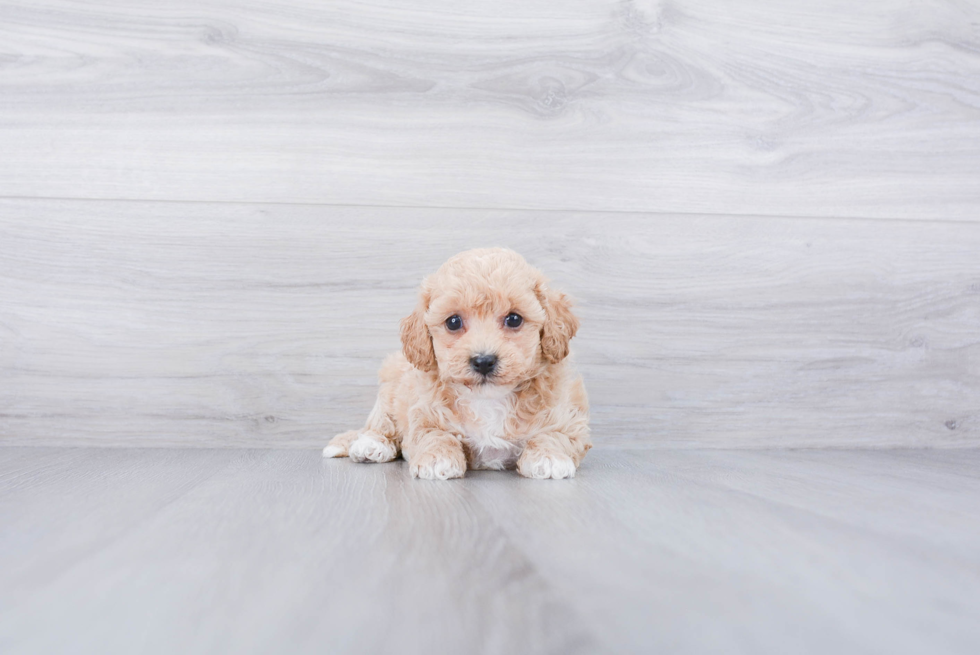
{"x": 442, "y": 416}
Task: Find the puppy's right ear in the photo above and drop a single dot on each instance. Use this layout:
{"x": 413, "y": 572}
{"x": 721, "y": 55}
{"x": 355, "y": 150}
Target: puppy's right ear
{"x": 416, "y": 340}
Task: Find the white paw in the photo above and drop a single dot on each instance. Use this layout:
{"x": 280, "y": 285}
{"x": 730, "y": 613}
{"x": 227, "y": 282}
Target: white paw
{"x": 371, "y": 449}
{"x": 433, "y": 467}
{"x": 333, "y": 451}
{"x": 544, "y": 467}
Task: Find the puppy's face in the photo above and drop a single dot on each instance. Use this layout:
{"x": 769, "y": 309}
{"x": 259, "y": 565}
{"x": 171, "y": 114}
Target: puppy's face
{"x": 486, "y": 317}
{"x": 485, "y": 334}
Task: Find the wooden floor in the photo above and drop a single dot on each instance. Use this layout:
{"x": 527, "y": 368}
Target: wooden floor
{"x": 249, "y": 551}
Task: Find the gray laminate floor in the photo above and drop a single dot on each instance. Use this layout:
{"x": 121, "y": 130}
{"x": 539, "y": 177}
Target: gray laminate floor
{"x": 190, "y": 550}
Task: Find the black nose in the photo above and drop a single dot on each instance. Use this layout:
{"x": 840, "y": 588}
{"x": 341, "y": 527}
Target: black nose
{"x": 484, "y": 364}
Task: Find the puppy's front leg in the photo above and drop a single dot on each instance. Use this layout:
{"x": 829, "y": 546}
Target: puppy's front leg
{"x": 550, "y": 455}
{"x": 434, "y": 454}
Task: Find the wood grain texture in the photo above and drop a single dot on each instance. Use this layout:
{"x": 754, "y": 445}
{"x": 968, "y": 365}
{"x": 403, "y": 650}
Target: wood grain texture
{"x": 268, "y": 551}
{"x": 163, "y": 551}
{"x": 219, "y": 324}
{"x": 825, "y": 108}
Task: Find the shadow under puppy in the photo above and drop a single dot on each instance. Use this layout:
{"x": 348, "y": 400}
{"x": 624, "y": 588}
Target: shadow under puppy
{"x": 482, "y": 381}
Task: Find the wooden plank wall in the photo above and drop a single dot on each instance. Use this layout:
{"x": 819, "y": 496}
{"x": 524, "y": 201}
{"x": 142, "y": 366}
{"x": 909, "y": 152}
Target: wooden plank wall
{"x": 212, "y": 214}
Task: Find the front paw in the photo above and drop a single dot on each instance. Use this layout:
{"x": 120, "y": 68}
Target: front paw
{"x": 441, "y": 466}
{"x": 542, "y": 466}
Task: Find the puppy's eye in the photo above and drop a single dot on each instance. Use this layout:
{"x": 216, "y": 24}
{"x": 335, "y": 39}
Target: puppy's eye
{"x": 513, "y": 320}
{"x": 454, "y": 323}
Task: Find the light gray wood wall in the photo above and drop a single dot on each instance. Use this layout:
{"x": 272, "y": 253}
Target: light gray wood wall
{"x": 830, "y": 108}
{"x": 217, "y": 324}
{"x": 212, "y": 214}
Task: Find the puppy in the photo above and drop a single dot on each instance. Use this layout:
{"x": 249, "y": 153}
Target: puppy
{"x": 482, "y": 381}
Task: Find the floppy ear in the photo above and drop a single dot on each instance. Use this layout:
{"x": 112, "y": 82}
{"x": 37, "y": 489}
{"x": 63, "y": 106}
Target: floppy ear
{"x": 416, "y": 340}
{"x": 560, "y": 324}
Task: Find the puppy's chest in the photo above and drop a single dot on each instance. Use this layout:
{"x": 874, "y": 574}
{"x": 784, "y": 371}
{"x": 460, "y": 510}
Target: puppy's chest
{"x": 483, "y": 423}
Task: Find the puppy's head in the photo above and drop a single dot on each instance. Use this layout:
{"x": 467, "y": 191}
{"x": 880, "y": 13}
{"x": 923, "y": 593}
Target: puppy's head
{"x": 487, "y": 317}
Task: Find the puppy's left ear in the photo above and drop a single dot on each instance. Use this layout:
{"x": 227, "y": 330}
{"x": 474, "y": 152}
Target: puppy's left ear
{"x": 560, "y": 323}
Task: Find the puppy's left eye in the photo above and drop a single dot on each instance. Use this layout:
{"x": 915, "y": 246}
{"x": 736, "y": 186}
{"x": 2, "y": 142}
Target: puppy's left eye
{"x": 513, "y": 320}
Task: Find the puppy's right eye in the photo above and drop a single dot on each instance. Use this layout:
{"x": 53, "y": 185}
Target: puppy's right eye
{"x": 454, "y": 323}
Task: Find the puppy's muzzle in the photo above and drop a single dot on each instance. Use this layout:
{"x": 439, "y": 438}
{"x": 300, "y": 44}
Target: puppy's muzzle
{"x": 485, "y": 365}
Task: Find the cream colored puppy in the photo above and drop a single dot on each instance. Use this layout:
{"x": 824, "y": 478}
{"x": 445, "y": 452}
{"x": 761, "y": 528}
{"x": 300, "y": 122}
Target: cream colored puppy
{"x": 482, "y": 381}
